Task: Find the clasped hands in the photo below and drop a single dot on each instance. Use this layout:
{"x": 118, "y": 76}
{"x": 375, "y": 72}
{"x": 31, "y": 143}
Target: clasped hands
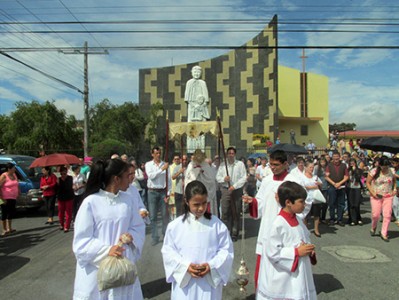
{"x": 198, "y": 270}
{"x": 306, "y": 249}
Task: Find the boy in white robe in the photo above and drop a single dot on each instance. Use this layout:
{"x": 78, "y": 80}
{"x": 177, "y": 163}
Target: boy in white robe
{"x": 264, "y": 206}
{"x": 285, "y": 269}
{"x": 197, "y": 251}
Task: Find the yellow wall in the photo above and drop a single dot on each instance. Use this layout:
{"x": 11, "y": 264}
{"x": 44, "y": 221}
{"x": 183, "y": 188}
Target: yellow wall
{"x": 289, "y": 106}
{"x": 288, "y": 92}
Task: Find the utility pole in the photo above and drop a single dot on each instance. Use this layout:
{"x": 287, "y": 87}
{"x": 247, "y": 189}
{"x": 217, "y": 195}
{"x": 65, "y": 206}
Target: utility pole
{"x": 86, "y": 105}
{"x": 86, "y": 52}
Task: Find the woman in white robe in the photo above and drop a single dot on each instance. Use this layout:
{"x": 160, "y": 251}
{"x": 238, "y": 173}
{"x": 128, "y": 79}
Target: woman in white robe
{"x": 197, "y": 251}
{"x": 103, "y": 217}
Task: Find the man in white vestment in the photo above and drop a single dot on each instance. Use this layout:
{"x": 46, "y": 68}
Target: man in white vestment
{"x": 200, "y": 170}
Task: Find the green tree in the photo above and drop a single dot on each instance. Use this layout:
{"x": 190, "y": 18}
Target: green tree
{"x": 38, "y": 126}
{"x": 107, "y": 147}
{"x": 4, "y": 122}
{"x": 122, "y": 124}
{"x": 342, "y": 127}
{"x": 153, "y": 123}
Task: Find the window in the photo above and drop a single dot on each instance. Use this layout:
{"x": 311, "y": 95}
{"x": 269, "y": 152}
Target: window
{"x": 304, "y": 129}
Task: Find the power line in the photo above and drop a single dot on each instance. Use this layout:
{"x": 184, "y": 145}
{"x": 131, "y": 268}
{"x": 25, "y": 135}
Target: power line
{"x": 44, "y": 40}
{"x": 192, "y": 47}
{"x": 98, "y": 43}
{"x": 43, "y": 73}
{"x": 200, "y": 31}
{"x": 37, "y": 80}
{"x": 212, "y": 22}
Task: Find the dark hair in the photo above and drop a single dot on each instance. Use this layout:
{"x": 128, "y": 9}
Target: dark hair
{"x": 251, "y": 160}
{"x": 320, "y": 172}
{"x": 231, "y": 148}
{"x": 75, "y": 167}
{"x": 396, "y": 160}
{"x": 155, "y": 148}
{"x": 382, "y": 162}
{"x": 279, "y": 155}
{"x": 9, "y": 166}
{"x": 336, "y": 153}
{"x": 102, "y": 173}
{"x": 194, "y": 188}
{"x": 291, "y": 191}
{"x": 48, "y": 169}
{"x": 357, "y": 172}
{"x": 308, "y": 162}
{"x": 300, "y": 158}
{"x": 63, "y": 169}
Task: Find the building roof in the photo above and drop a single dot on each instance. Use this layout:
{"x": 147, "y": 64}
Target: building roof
{"x": 370, "y": 133}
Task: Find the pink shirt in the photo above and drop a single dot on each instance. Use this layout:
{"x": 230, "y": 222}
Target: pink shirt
{"x": 10, "y": 189}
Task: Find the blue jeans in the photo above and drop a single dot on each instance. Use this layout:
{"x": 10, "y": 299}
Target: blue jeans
{"x": 143, "y": 196}
{"x": 336, "y": 201}
{"x": 155, "y": 203}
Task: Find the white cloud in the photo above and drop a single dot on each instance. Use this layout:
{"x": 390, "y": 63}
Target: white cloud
{"x": 71, "y": 107}
{"x": 369, "y": 107}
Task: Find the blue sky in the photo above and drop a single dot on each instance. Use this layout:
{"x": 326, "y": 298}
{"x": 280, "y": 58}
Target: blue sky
{"x": 363, "y": 83}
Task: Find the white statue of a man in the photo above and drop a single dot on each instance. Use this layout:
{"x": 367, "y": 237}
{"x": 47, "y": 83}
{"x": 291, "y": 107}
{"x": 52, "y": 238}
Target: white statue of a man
{"x": 196, "y": 96}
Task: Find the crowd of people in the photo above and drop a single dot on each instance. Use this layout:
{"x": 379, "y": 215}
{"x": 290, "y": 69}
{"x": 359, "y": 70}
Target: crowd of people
{"x": 202, "y": 200}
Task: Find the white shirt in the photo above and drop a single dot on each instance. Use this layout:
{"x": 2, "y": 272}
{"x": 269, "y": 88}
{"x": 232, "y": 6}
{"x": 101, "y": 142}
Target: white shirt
{"x": 79, "y": 181}
{"x": 156, "y": 176}
{"x": 237, "y": 173}
{"x": 263, "y": 172}
{"x": 298, "y": 173}
{"x": 138, "y": 175}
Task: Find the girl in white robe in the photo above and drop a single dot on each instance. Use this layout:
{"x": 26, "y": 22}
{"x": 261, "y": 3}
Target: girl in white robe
{"x": 285, "y": 268}
{"x": 103, "y": 217}
{"x": 197, "y": 251}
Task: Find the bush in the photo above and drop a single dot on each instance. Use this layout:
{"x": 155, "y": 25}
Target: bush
{"x": 106, "y": 148}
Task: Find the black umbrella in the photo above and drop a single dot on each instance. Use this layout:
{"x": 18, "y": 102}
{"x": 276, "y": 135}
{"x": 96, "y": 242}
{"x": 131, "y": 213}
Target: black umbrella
{"x": 384, "y": 144}
{"x": 288, "y": 148}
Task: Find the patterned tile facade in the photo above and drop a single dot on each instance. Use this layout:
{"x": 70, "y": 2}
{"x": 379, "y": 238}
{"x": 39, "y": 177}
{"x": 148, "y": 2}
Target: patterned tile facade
{"x": 242, "y": 86}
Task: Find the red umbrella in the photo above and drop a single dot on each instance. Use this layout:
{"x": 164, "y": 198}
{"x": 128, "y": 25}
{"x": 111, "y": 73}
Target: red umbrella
{"x": 55, "y": 159}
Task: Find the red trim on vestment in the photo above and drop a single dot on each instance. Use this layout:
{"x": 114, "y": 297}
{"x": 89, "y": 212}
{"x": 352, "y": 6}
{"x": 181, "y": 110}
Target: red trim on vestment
{"x": 257, "y": 267}
{"x": 253, "y": 208}
{"x": 296, "y": 261}
{"x": 290, "y": 218}
{"x": 281, "y": 176}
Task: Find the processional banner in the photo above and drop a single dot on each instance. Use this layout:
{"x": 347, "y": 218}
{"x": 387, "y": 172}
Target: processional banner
{"x": 193, "y": 129}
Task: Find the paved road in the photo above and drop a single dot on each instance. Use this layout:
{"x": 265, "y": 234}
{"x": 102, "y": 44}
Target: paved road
{"x": 37, "y": 263}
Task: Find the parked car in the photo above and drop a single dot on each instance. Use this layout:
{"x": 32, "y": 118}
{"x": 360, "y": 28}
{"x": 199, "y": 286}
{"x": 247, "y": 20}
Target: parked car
{"x": 29, "y": 180}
